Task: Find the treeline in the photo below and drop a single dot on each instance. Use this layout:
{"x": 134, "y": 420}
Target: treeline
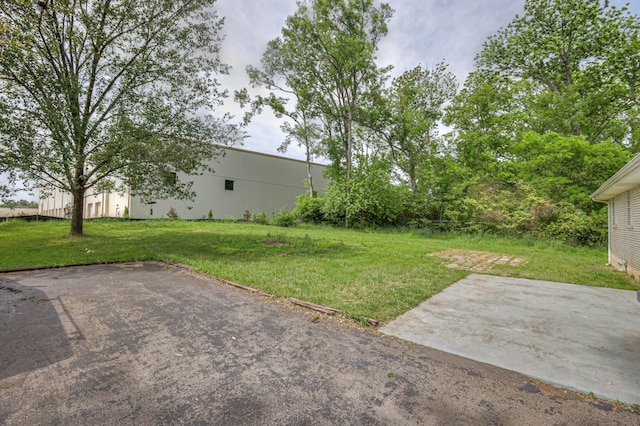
{"x": 549, "y": 113}
{"x": 20, "y": 204}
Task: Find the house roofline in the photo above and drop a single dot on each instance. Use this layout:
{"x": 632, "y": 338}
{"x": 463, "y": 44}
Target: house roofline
{"x": 625, "y": 179}
{"x": 264, "y": 154}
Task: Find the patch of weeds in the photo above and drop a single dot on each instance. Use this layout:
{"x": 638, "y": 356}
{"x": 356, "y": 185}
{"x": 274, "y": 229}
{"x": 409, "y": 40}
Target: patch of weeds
{"x": 390, "y": 374}
{"x": 275, "y": 240}
{"x": 260, "y": 218}
{"x": 285, "y": 219}
{"x": 305, "y": 244}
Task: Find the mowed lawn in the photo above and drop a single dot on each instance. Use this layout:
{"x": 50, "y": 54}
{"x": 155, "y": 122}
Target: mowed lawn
{"x": 365, "y": 274}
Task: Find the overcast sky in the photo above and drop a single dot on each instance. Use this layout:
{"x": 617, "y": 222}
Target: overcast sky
{"x": 420, "y": 32}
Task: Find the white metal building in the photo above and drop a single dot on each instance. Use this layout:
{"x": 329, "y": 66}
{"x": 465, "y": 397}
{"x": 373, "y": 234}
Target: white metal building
{"x": 242, "y": 181}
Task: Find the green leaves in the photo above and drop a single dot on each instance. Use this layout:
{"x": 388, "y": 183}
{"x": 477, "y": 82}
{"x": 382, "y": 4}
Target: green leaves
{"x": 581, "y": 59}
{"x": 414, "y": 105}
{"x": 323, "y": 73}
{"x": 567, "y": 168}
{"x": 109, "y": 89}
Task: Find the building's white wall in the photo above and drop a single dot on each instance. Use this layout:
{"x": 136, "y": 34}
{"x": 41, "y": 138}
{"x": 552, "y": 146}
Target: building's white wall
{"x": 54, "y": 205}
{"x": 95, "y": 205}
{"x": 261, "y": 183}
{"x": 624, "y": 232}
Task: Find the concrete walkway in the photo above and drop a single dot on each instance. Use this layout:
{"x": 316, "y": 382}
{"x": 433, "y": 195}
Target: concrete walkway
{"x": 581, "y": 338}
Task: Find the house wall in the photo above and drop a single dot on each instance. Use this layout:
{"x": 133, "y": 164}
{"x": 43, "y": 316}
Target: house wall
{"x": 624, "y": 232}
{"x": 261, "y": 183}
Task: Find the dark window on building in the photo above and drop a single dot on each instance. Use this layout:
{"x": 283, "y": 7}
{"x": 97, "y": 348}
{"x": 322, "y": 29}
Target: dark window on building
{"x": 228, "y": 185}
{"x": 170, "y": 178}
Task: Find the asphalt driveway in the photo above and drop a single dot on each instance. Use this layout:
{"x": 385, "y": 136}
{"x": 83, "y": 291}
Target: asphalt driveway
{"x": 152, "y": 344}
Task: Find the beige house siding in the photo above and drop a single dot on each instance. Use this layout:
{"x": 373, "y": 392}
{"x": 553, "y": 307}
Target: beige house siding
{"x": 621, "y": 192}
{"x": 624, "y": 232}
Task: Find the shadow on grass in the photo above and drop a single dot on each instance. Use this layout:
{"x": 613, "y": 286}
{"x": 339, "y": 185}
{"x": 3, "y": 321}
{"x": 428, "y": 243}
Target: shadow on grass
{"x": 235, "y": 247}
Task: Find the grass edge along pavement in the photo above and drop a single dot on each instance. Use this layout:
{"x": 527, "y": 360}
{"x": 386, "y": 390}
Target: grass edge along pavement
{"x": 362, "y": 273}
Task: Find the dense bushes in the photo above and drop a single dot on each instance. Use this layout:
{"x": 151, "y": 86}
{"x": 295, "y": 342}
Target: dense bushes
{"x": 310, "y": 210}
{"x": 542, "y": 188}
{"x": 515, "y": 209}
{"x": 370, "y": 199}
{"x": 519, "y": 209}
{"x": 284, "y": 218}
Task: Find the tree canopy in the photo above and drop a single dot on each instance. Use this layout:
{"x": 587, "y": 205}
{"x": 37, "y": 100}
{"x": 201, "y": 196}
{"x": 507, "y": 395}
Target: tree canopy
{"x": 93, "y": 93}
{"x": 579, "y": 59}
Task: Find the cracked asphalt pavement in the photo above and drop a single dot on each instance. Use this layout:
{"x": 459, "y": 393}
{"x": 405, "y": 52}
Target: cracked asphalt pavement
{"x": 148, "y": 343}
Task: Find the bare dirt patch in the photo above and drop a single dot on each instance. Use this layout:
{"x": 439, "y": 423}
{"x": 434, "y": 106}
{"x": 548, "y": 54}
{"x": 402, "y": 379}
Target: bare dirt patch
{"x": 274, "y": 241}
{"x": 477, "y": 261}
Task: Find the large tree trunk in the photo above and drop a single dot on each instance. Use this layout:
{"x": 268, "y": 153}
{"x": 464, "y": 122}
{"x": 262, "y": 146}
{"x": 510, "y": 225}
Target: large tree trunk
{"x": 348, "y": 154}
{"x": 77, "y": 212}
{"x": 309, "y": 175}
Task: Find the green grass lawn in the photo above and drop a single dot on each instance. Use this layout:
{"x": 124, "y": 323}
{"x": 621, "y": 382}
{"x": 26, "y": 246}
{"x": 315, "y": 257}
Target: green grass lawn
{"x": 366, "y": 274}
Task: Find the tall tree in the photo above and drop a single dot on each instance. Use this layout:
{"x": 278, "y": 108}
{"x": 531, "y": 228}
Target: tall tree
{"x": 415, "y": 106}
{"x": 576, "y": 55}
{"x": 330, "y": 47}
{"x": 91, "y": 91}
{"x": 486, "y": 116}
{"x": 289, "y": 97}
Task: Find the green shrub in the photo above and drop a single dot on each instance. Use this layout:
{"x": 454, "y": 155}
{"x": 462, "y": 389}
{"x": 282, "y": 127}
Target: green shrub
{"x": 310, "y": 209}
{"x": 373, "y": 200}
{"x": 577, "y": 227}
{"x": 285, "y": 218}
{"x": 260, "y": 217}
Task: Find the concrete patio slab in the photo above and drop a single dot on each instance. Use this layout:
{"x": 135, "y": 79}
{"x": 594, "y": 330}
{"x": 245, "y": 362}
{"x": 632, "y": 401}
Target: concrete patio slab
{"x": 578, "y": 337}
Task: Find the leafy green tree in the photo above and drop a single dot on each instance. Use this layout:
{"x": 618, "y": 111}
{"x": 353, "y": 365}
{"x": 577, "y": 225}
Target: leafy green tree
{"x": 329, "y": 46}
{"x": 94, "y": 91}
{"x": 567, "y": 168}
{"x": 278, "y": 74}
{"x": 486, "y": 120}
{"x": 373, "y": 199}
{"x": 415, "y": 104}
{"x": 20, "y": 204}
{"x": 580, "y": 59}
